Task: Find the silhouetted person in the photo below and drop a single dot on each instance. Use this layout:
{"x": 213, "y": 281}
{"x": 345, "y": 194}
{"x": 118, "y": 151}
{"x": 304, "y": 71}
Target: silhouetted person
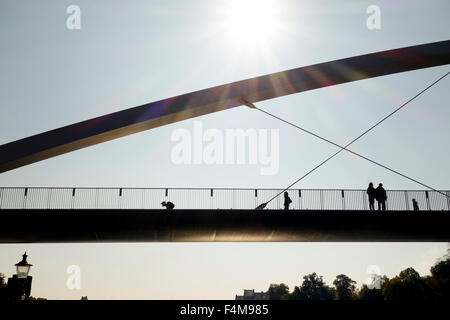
{"x": 380, "y": 195}
{"x": 169, "y": 205}
{"x": 371, "y": 193}
{"x": 287, "y": 201}
{"x": 415, "y": 205}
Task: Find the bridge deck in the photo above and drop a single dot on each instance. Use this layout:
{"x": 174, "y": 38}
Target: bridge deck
{"x": 72, "y": 225}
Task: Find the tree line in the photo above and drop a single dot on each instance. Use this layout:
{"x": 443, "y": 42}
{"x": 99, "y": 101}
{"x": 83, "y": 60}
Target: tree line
{"x": 407, "y": 285}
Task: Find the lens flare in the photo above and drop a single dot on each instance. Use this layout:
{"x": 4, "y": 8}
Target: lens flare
{"x": 251, "y": 21}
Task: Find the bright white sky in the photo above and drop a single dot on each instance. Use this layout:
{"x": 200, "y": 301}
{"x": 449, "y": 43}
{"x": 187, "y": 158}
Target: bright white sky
{"x": 134, "y": 52}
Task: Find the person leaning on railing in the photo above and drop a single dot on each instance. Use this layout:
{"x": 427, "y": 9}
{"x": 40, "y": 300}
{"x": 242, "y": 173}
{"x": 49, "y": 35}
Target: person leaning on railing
{"x": 381, "y": 197}
{"x": 169, "y": 205}
{"x": 371, "y": 193}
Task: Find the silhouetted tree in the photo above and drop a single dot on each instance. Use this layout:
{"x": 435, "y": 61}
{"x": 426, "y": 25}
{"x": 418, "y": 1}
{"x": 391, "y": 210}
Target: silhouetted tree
{"x": 408, "y": 285}
{"x": 366, "y": 293}
{"x": 296, "y": 294}
{"x": 409, "y": 274}
{"x": 370, "y": 294}
{"x": 3, "y": 288}
{"x": 38, "y": 298}
{"x": 279, "y": 291}
{"x": 345, "y": 287}
{"x": 313, "y": 288}
{"x": 439, "y": 282}
{"x": 441, "y": 270}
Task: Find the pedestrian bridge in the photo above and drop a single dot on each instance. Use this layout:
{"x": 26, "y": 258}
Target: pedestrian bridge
{"x": 213, "y": 198}
{"x": 217, "y": 214}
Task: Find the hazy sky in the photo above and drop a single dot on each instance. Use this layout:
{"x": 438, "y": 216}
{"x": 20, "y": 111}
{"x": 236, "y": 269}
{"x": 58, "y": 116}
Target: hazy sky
{"x": 129, "y": 53}
{"x": 206, "y": 270}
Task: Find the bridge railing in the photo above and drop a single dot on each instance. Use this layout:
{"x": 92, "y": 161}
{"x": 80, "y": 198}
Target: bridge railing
{"x": 215, "y": 198}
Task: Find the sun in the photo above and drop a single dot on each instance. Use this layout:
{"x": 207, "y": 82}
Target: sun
{"x": 250, "y": 22}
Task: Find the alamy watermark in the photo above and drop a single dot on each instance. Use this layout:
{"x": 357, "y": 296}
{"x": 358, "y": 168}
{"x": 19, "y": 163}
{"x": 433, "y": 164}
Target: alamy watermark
{"x": 73, "y": 22}
{"x": 374, "y": 279}
{"x": 373, "y": 22}
{"x": 227, "y": 147}
{"x": 74, "y": 280}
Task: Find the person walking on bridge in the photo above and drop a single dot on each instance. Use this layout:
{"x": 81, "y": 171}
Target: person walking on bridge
{"x": 287, "y": 200}
{"x": 381, "y": 197}
{"x": 415, "y": 205}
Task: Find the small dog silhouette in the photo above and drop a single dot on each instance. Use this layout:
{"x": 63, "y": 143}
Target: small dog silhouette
{"x": 261, "y": 206}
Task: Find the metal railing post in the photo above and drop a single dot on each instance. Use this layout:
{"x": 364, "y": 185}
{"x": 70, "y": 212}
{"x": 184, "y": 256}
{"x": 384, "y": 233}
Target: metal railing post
{"x": 24, "y": 204}
{"x": 300, "y": 199}
{"x": 120, "y": 199}
{"x": 73, "y": 198}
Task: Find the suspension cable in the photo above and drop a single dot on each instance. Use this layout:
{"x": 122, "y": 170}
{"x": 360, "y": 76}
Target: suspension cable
{"x": 342, "y": 148}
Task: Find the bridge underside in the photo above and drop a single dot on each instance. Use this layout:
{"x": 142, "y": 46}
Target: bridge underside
{"x": 220, "y": 225}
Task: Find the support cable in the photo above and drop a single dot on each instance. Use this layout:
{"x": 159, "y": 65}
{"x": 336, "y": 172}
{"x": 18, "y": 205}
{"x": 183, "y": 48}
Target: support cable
{"x": 342, "y": 148}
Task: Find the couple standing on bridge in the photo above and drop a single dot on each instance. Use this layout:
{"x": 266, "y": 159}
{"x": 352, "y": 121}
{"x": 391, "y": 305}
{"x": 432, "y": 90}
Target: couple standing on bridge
{"x": 379, "y": 194}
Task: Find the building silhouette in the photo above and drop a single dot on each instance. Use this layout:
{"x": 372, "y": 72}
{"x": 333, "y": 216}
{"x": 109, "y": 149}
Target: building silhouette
{"x": 252, "y": 295}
